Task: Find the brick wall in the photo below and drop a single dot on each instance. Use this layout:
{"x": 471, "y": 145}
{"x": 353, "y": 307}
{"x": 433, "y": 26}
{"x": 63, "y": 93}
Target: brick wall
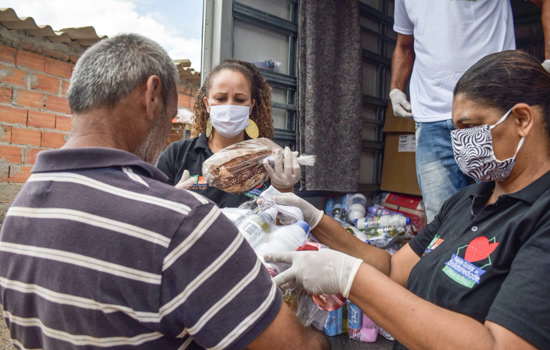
{"x": 34, "y": 112}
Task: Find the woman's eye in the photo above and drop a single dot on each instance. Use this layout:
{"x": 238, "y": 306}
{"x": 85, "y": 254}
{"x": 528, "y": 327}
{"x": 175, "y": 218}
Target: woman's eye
{"x": 239, "y": 100}
{"x": 220, "y": 99}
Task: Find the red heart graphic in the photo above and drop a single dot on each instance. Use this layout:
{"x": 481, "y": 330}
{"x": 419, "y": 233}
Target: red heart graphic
{"x": 479, "y": 249}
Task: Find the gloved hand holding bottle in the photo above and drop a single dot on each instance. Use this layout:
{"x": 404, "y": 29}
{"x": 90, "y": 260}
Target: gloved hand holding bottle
{"x": 400, "y": 104}
{"x": 546, "y": 65}
{"x": 312, "y": 215}
{"x": 286, "y": 171}
{"x": 319, "y": 272}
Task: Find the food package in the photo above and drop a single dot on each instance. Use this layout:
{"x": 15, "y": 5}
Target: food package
{"x": 239, "y": 168}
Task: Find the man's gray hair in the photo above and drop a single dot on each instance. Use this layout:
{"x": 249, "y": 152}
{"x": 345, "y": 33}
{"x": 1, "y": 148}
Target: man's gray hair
{"x": 111, "y": 69}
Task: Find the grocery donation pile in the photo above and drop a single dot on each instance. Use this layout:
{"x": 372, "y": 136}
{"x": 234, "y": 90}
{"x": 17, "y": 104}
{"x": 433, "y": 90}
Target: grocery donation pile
{"x": 271, "y": 227}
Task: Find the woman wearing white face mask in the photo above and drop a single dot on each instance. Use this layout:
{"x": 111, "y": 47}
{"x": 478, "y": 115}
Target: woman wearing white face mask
{"x": 475, "y": 277}
{"x": 233, "y": 105}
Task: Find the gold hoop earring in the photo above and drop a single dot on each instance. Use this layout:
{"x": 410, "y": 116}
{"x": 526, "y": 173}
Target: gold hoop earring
{"x": 252, "y": 129}
{"x": 208, "y": 128}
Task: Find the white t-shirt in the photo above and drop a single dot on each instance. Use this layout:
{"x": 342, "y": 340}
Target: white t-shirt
{"x": 449, "y": 37}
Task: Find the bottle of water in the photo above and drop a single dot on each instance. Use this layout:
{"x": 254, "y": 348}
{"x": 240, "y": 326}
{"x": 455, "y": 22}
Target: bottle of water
{"x": 286, "y": 238}
{"x": 396, "y": 221}
{"x": 255, "y": 227}
{"x": 269, "y": 65}
{"x": 377, "y": 210}
{"x": 357, "y": 206}
{"x": 336, "y": 211}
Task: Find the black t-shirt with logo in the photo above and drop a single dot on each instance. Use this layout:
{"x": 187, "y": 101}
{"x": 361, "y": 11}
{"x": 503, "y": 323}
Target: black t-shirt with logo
{"x": 189, "y": 155}
{"x": 490, "y": 262}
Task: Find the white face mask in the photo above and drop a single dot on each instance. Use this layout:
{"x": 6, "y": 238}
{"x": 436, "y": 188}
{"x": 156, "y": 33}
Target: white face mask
{"x": 473, "y": 151}
{"x": 229, "y": 120}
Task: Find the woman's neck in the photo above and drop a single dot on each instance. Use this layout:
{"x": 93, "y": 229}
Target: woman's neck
{"x": 523, "y": 178}
{"x": 217, "y": 142}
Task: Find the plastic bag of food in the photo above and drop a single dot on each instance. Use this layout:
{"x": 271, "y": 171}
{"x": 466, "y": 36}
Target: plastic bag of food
{"x": 239, "y": 167}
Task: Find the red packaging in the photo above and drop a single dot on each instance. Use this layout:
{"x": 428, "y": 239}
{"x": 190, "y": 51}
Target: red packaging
{"x": 410, "y": 206}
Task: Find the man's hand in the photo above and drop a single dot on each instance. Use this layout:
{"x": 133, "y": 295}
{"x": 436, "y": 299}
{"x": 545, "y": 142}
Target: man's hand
{"x": 185, "y": 181}
{"x": 319, "y": 272}
{"x": 401, "y": 107}
{"x": 312, "y": 215}
{"x": 286, "y": 171}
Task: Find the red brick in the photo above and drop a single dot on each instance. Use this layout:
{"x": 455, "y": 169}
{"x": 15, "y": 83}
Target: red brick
{"x": 5, "y": 94}
{"x": 5, "y": 133}
{"x": 19, "y": 174}
{"x": 73, "y": 59}
{"x": 7, "y": 54}
{"x": 12, "y": 154}
{"x": 59, "y": 68}
{"x": 63, "y": 123}
{"x": 57, "y": 104}
{"x": 30, "y": 99}
{"x": 24, "y": 136}
{"x": 185, "y": 101}
{"x": 64, "y": 87}
{"x": 44, "y": 82}
{"x": 13, "y": 76}
{"x": 41, "y": 120}
{"x": 30, "y": 60}
{"x": 53, "y": 139}
{"x": 30, "y": 155}
{"x": 13, "y": 115}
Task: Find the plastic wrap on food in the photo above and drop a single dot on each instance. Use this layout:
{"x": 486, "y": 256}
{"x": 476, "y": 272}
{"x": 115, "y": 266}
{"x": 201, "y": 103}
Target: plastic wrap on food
{"x": 239, "y": 168}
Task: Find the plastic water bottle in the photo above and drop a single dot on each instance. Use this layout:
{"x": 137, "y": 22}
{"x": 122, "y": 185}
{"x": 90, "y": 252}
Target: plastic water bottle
{"x": 377, "y": 210}
{"x": 396, "y": 221}
{"x": 336, "y": 211}
{"x": 286, "y": 238}
{"x": 255, "y": 227}
{"x": 357, "y": 207}
{"x": 269, "y": 65}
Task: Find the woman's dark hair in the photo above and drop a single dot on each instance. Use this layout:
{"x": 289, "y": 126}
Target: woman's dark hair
{"x": 504, "y": 79}
{"x": 260, "y": 89}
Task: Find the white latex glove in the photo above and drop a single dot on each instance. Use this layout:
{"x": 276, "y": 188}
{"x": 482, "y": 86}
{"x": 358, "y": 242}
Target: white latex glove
{"x": 319, "y": 272}
{"x": 286, "y": 171}
{"x": 401, "y": 107}
{"x": 185, "y": 181}
{"x": 312, "y": 215}
{"x": 546, "y": 65}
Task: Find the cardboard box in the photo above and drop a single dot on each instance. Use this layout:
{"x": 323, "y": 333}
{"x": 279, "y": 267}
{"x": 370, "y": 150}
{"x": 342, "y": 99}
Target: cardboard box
{"x": 399, "y": 165}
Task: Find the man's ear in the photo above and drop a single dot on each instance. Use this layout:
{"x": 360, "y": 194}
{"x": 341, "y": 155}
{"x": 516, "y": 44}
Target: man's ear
{"x": 153, "y": 97}
{"x": 524, "y": 118}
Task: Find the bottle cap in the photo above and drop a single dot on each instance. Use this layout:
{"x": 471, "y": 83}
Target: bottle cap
{"x": 304, "y": 225}
{"x": 408, "y": 220}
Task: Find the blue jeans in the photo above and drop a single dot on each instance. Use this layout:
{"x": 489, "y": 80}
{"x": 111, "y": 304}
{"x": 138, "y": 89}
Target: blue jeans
{"x": 438, "y": 175}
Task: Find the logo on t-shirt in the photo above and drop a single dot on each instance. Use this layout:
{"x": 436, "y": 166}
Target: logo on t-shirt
{"x": 467, "y": 270}
{"x": 200, "y": 184}
{"x": 256, "y": 192}
{"x": 433, "y": 244}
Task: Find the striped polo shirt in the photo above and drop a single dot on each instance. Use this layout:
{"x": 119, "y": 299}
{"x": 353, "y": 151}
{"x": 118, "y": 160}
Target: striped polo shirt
{"x": 98, "y": 252}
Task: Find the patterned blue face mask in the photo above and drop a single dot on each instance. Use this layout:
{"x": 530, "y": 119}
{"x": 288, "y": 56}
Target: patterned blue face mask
{"x": 473, "y": 151}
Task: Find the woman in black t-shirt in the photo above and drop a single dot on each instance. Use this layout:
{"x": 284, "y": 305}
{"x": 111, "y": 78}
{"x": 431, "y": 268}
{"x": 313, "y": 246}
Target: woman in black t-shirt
{"x": 475, "y": 277}
{"x": 234, "y": 104}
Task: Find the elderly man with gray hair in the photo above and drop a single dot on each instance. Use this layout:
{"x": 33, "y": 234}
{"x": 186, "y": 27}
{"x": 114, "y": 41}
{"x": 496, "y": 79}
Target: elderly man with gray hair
{"x": 98, "y": 252}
